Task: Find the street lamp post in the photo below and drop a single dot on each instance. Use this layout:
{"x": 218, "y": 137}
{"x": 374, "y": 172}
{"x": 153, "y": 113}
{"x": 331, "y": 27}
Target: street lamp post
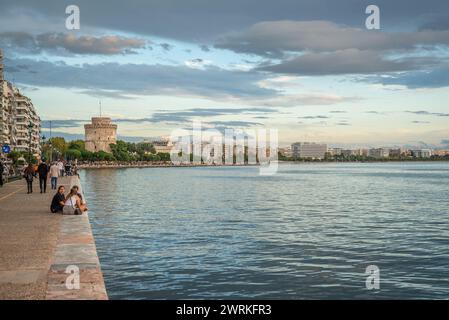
{"x": 30, "y": 131}
{"x": 43, "y": 145}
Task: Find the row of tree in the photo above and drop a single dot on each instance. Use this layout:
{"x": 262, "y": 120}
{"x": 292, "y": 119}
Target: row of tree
{"x": 121, "y": 151}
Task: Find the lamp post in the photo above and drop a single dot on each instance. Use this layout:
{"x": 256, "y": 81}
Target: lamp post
{"x": 43, "y": 145}
{"x": 30, "y": 130}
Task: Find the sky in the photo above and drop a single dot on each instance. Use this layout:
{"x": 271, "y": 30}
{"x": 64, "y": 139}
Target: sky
{"x": 309, "y": 68}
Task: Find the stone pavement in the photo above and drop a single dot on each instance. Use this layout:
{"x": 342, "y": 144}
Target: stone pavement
{"x": 36, "y": 246}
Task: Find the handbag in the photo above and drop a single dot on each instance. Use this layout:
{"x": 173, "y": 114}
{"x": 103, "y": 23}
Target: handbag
{"x": 71, "y": 210}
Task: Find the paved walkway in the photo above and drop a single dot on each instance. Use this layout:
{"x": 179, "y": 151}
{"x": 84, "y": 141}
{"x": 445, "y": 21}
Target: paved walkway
{"x": 28, "y": 238}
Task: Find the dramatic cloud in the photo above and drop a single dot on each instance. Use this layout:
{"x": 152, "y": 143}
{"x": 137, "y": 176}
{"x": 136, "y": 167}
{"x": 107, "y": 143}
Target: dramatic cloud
{"x": 177, "y": 117}
{"x": 125, "y": 80}
{"x": 142, "y": 79}
{"x": 349, "y": 61}
{"x": 274, "y": 38}
{"x": 102, "y": 45}
{"x": 196, "y": 20}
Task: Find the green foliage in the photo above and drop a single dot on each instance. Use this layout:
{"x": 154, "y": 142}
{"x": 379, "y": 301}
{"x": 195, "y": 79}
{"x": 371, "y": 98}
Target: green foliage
{"x": 59, "y": 144}
{"x": 121, "y": 151}
{"x": 72, "y": 154}
{"x": 14, "y": 156}
{"x": 77, "y": 144}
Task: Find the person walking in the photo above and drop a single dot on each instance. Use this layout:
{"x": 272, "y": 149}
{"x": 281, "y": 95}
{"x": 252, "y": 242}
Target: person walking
{"x": 42, "y": 169}
{"x": 29, "y": 175}
{"x": 2, "y": 169}
{"x": 61, "y": 168}
{"x": 54, "y": 174}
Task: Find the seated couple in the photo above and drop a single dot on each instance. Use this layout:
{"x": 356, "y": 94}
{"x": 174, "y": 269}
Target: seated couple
{"x": 70, "y": 204}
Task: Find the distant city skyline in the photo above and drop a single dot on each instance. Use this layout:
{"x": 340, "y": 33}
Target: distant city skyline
{"x": 308, "y": 68}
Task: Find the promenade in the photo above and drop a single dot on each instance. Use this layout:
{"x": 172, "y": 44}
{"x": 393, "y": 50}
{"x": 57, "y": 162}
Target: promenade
{"x": 37, "y": 245}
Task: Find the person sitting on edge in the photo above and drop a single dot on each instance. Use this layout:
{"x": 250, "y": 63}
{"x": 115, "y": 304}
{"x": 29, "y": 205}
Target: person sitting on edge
{"x": 83, "y": 206}
{"x": 72, "y": 203}
{"x": 58, "y": 201}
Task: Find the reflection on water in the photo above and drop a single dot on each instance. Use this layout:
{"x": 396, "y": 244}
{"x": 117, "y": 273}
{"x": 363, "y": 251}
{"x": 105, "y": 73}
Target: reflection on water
{"x": 308, "y": 232}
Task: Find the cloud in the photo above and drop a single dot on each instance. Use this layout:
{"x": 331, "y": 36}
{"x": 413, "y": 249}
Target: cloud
{"x": 197, "y": 63}
{"x": 420, "y": 122}
{"x": 314, "y": 117}
{"x": 293, "y": 100}
{"x": 275, "y": 38}
{"x": 65, "y": 123}
{"x": 338, "y": 111}
{"x": 327, "y": 48}
{"x": 428, "y": 113}
{"x": 129, "y": 80}
{"x": 349, "y": 61}
{"x": 204, "y": 114}
{"x": 70, "y": 43}
{"x": 435, "y": 78}
{"x": 78, "y": 136}
{"x": 166, "y": 46}
{"x": 200, "y": 21}
{"x": 142, "y": 79}
{"x": 204, "y": 48}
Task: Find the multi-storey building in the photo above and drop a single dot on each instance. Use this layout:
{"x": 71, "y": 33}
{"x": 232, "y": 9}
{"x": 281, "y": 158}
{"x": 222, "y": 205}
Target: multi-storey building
{"x": 379, "y": 153}
{"x": 422, "y": 153}
{"x": 309, "y": 150}
{"x": 19, "y": 122}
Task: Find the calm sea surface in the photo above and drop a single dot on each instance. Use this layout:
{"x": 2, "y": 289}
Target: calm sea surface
{"x": 309, "y": 231}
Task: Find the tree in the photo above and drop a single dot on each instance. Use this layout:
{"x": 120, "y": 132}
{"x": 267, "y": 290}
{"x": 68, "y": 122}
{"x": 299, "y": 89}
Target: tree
{"x": 73, "y": 154}
{"x": 77, "y": 144}
{"x": 59, "y": 144}
{"x": 14, "y": 156}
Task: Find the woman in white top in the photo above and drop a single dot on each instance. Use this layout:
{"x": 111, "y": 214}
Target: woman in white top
{"x": 72, "y": 202}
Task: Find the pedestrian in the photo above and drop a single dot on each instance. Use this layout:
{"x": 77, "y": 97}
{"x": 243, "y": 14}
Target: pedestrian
{"x": 42, "y": 169}
{"x": 61, "y": 167}
{"x": 2, "y": 169}
{"x": 29, "y": 175}
{"x": 54, "y": 174}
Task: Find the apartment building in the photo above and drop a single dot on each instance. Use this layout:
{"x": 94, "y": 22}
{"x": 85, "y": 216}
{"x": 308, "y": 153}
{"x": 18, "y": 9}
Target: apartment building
{"x": 19, "y": 122}
{"x": 379, "y": 153}
{"x": 309, "y": 150}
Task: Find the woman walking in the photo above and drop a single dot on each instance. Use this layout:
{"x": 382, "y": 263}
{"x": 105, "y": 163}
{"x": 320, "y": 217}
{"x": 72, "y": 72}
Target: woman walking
{"x": 29, "y": 175}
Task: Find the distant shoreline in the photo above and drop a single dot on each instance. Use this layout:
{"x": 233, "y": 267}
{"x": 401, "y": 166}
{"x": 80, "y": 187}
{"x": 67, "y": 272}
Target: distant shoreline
{"x": 167, "y": 165}
{"x": 120, "y": 166}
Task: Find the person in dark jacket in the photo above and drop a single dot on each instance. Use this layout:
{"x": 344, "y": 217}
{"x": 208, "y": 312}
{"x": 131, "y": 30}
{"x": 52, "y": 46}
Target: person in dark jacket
{"x": 57, "y": 204}
{"x": 42, "y": 169}
{"x": 29, "y": 175}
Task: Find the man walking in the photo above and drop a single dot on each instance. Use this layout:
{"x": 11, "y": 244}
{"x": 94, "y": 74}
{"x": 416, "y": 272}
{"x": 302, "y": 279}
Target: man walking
{"x": 54, "y": 174}
{"x": 42, "y": 169}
